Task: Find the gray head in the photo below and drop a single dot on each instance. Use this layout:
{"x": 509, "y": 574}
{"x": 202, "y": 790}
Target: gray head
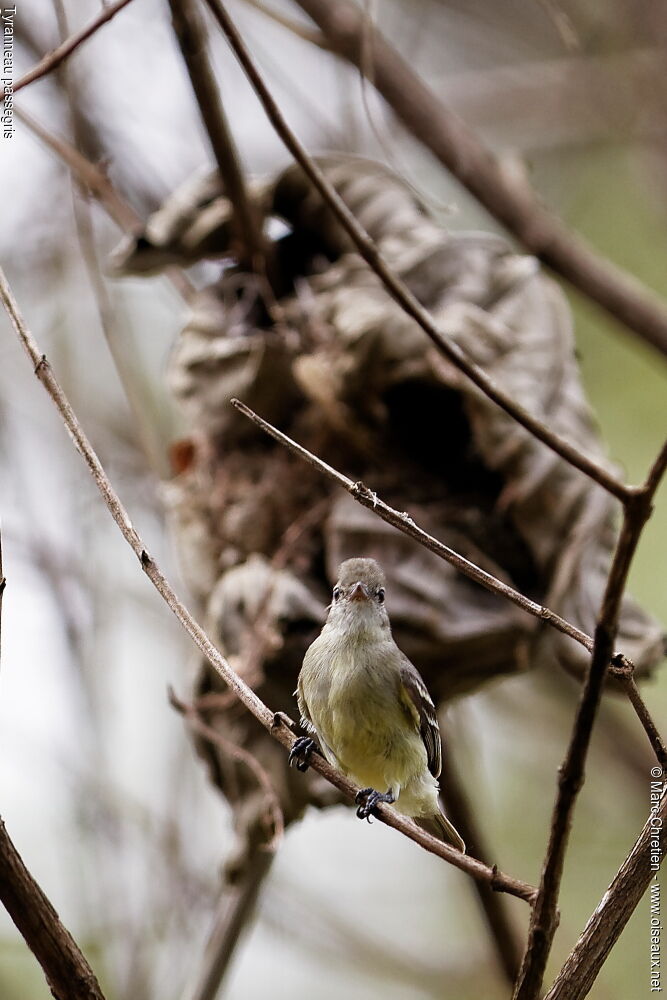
{"x": 358, "y": 597}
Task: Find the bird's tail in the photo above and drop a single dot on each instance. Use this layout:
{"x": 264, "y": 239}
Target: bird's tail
{"x": 439, "y": 826}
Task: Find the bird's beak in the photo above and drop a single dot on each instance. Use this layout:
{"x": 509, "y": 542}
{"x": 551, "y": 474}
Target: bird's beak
{"x": 359, "y": 592}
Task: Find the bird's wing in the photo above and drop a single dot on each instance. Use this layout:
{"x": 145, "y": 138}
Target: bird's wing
{"x": 419, "y": 706}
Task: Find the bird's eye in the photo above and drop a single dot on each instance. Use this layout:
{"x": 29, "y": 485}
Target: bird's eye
{"x": 381, "y": 595}
{"x": 336, "y": 593}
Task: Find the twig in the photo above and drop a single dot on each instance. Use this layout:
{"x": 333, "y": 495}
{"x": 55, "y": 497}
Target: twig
{"x": 367, "y": 498}
{"x": 543, "y": 920}
{"x": 623, "y": 671}
{"x": 396, "y": 287}
{"x": 58, "y": 55}
{"x": 459, "y": 808}
{"x": 94, "y": 180}
{"x": 513, "y": 204}
{"x": 498, "y": 880}
{"x": 191, "y": 35}
{"x": 614, "y": 910}
{"x": 233, "y": 913}
{"x": 66, "y": 970}
{"x": 401, "y": 520}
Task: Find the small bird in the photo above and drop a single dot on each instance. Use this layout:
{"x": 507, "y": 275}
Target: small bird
{"x": 368, "y": 706}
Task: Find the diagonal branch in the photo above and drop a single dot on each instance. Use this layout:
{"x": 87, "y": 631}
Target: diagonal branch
{"x": 271, "y": 722}
{"x": 638, "y": 871}
{"x": 401, "y": 520}
{"x": 514, "y": 204}
{"x": 572, "y": 771}
{"x": 191, "y": 35}
{"x": 66, "y": 970}
{"x": 397, "y": 288}
{"x": 63, "y": 51}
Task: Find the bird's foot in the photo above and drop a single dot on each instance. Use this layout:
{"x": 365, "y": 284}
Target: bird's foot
{"x": 299, "y": 755}
{"x": 368, "y": 798}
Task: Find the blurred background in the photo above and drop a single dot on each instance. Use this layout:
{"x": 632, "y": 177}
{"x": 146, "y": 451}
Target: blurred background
{"x": 99, "y": 786}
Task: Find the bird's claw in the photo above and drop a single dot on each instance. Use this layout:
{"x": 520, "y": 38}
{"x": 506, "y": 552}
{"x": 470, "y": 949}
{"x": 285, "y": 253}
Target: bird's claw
{"x": 368, "y": 798}
{"x": 299, "y": 755}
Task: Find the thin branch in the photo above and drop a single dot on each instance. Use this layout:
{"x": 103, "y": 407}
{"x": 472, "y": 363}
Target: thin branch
{"x": 619, "y": 902}
{"x": 236, "y": 907}
{"x": 498, "y": 880}
{"x": 396, "y": 287}
{"x": 95, "y": 180}
{"x": 623, "y": 670}
{"x": 543, "y": 920}
{"x": 63, "y": 51}
{"x": 514, "y": 204}
{"x": 66, "y": 970}
{"x": 401, "y": 520}
{"x": 191, "y": 35}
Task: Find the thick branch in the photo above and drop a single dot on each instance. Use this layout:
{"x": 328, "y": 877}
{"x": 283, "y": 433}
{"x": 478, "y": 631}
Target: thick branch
{"x": 66, "y": 970}
{"x": 512, "y": 203}
{"x": 58, "y": 55}
{"x": 396, "y": 287}
{"x": 255, "y": 705}
{"x": 191, "y": 35}
{"x": 571, "y": 774}
{"x": 619, "y": 902}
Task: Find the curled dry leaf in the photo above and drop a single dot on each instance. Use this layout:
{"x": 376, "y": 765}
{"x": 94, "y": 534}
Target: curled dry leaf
{"x": 326, "y": 354}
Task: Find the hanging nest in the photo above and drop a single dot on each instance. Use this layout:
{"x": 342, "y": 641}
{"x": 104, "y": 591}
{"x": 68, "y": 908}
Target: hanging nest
{"x": 318, "y": 347}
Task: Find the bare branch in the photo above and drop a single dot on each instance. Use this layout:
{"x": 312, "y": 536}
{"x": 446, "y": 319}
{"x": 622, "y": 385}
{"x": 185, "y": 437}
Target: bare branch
{"x": 623, "y": 670}
{"x": 401, "y": 520}
{"x": 63, "y": 51}
{"x": 619, "y": 902}
{"x": 572, "y": 771}
{"x": 396, "y": 287}
{"x": 512, "y": 203}
{"x": 498, "y": 880}
{"x": 66, "y": 970}
{"x": 191, "y": 35}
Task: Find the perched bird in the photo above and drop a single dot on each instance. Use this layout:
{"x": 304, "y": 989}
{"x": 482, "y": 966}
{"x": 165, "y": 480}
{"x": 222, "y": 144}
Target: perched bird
{"x": 368, "y": 706}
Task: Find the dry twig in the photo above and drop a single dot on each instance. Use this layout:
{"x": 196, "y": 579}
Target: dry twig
{"x": 63, "y": 51}
{"x": 571, "y": 773}
{"x": 497, "y": 880}
{"x": 512, "y": 203}
{"x": 396, "y": 287}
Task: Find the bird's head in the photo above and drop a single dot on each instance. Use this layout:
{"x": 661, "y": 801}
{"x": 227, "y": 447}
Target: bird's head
{"x": 358, "y": 597}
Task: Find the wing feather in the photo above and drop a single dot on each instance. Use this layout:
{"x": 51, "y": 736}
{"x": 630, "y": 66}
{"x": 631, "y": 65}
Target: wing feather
{"x": 418, "y": 703}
